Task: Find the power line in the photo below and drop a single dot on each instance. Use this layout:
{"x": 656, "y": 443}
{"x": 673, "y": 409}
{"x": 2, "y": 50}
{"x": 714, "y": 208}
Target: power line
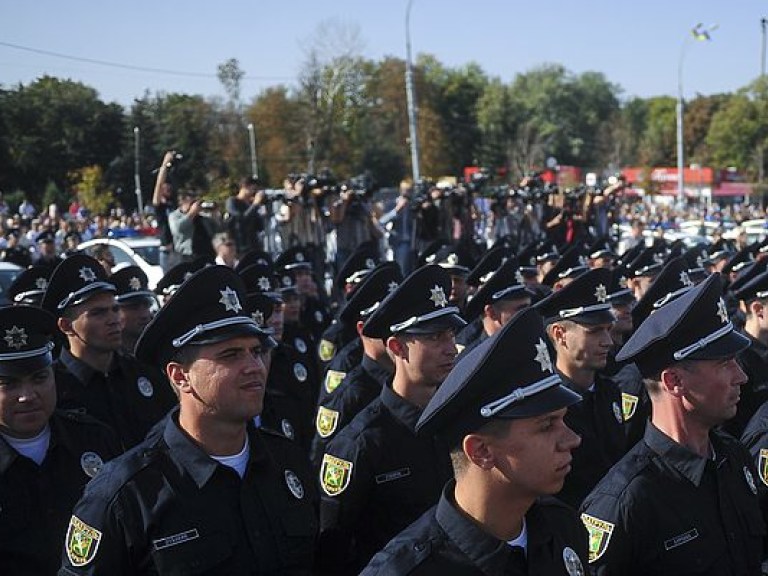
{"x": 130, "y": 66}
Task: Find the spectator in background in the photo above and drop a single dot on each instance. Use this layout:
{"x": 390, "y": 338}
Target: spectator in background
{"x": 193, "y": 227}
{"x": 226, "y": 251}
{"x": 243, "y": 218}
{"x": 162, "y": 201}
{"x": 355, "y": 223}
{"x": 26, "y": 209}
{"x": 401, "y": 233}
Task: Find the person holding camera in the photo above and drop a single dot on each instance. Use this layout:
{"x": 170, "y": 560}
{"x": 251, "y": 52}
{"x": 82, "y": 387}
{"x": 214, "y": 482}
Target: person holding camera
{"x": 162, "y": 202}
{"x": 244, "y": 219}
{"x": 193, "y": 225}
{"x": 403, "y": 227}
{"x": 354, "y": 221}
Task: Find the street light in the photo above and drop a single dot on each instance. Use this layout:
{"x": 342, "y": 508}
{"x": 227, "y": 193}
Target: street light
{"x": 699, "y": 32}
{"x": 252, "y": 142}
{"x": 411, "y": 97}
{"x": 136, "y": 175}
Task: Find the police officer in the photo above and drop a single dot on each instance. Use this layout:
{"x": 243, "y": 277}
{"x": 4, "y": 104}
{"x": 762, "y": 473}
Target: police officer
{"x": 46, "y": 456}
{"x": 92, "y": 375}
{"x": 376, "y": 475}
{"x": 683, "y": 500}
{"x": 208, "y": 493}
{"x": 136, "y": 303}
{"x": 342, "y": 397}
{"x": 29, "y": 286}
{"x": 753, "y": 360}
{"x": 497, "y": 301}
{"x": 579, "y": 320}
{"x": 502, "y": 415}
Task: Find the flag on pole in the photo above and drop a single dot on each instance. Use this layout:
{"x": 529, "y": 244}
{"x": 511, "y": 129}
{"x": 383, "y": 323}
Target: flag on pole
{"x": 701, "y": 33}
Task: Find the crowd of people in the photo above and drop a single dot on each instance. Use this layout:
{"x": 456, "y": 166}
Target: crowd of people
{"x": 531, "y": 400}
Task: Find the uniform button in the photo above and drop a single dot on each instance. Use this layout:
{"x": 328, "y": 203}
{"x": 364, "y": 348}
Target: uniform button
{"x": 419, "y": 546}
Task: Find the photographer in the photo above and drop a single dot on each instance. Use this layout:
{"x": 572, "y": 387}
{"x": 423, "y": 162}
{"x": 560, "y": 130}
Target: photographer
{"x": 301, "y": 218}
{"x": 193, "y": 225}
{"x": 162, "y": 201}
{"x": 355, "y": 224}
{"x": 244, "y": 219}
{"x": 401, "y": 234}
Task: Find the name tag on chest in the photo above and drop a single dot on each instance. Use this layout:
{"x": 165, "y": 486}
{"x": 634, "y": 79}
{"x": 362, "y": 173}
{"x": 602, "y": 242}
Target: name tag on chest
{"x": 681, "y": 539}
{"x": 175, "y": 539}
{"x": 393, "y": 475}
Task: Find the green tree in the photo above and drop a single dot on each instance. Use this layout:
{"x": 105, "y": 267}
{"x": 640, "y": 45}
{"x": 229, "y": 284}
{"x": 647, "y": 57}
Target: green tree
{"x": 657, "y": 145}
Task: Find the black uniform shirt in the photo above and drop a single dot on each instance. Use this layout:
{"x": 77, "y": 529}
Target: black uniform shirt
{"x": 358, "y": 389}
{"x": 376, "y": 477}
{"x": 635, "y": 402}
{"x": 166, "y": 507}
{"x": 754, "y": 362}
{"x": 598, "y": 419}
{"x": 445, "y": 541}
{"x": 755, "y": 438}
{"x": 36, "y": 501}
{"x": 130, "y": 398}
{"x": 665, "y": 510}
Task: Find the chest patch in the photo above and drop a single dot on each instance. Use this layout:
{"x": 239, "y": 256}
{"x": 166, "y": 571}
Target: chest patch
{"x": 175, "y": 539}
{"x": 393, "y": 475}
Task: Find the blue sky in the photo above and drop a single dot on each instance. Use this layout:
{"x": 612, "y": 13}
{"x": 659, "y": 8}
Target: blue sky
{"x": 635, "y": 44}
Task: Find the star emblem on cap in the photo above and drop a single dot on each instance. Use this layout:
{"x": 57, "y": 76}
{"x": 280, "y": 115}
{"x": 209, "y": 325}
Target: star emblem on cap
{"x": 229, "y": 300}
{"x": 452, "y": 259}
{"x": 263, "y": 283}
{"x": 721, "y": 311}
{"x": 601, "y": 293}
{"x": 87, "y": 274}
{"x": 15, "y": 337}
{"x": 392, "y": 286}
{"x": 286, "y": 280}
{"x": 299, "y": 257}
{"x": 542, "y": 356}
{"x": 658, "y": 258}
{"x": 623, "y": 281}
{"x": 685, "y": 280}
{"x": 519, "y": 277}
{"x": 582, "y": 260}
{"x": 258, "y": 317}
{"x": 41, "y": 283}
{"x": 369, "y": 263}
{"x": 134, "y": 283}
{"x": 438, "y": 297}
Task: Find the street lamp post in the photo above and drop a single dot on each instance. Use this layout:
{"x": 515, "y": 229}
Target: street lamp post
{"x": 763, "y": 25}
{"x": 698, "y": 33}
{"x": 136, "y": 174}
{"x": 252, "y": 142}
{"x": 411, "y": 98}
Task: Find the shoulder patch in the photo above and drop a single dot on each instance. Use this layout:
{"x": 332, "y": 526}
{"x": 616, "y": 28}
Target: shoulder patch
{"x": 762, "y": 466}
{"x": 82, "y": 542}
{"x": 628, "y": 405}
{"x": 599, "y": 535}
{"x": 326, "y": 349}
{"x": 335, "y": 474}
{"x": 326, "y": 421}
{"x": 332, "y": 380}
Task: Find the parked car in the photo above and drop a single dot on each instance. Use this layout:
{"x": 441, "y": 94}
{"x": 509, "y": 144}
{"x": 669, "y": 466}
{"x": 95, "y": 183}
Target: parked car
{"x": 8, "y": 273}
{"x": 143, "y": 251}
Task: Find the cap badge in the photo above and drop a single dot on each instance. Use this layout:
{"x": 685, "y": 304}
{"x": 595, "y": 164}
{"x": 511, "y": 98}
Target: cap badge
{"x": 286, "y": 280}
{"x": 582, "y": 260}
{"x": 134, "y": 283}
{"x": 519, "y": 277}
{"x": 230, "y": 300}
{"x": 391, "y": 287}
{"x": 685, "y": 280}
{"x": 263, "y": 283}
{"x": 452, "y": 259}
{"x": 438, "y": 297}
{"x": 258, "y": 317}
{"x": 369, "y": 263}
{"x": 294, "y": 484}
{"x": 16, "y": 337}
{"x": 87, "y": 274}
{"x": 542, "y": 356}
{"x": 601, "y": 293}
{"x": 572, "y": 562}
{"x": 721, "y": 311}
{"x": 299, "y": 257}
{"x": 623, "y": 281}
{"x": 41, "y": 283}
{"x": 658, "y": 258}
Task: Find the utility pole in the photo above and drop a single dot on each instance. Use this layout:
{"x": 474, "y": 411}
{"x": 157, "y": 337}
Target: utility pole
{"x": 252, "y": 142}
{"x": 410, "y": 93}
{"x": 763, "y": 25}
{"x": 136, "y": 174}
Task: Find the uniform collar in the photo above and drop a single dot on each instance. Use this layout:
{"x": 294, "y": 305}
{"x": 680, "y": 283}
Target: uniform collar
{"x": 82, "y": 371}
{"x": 402, "y": 410}
{"x": 8, "y": 455}
{"x": 690, "y": 465}
{"x": 376, "y": 370}
{"x": 486, "y": 552}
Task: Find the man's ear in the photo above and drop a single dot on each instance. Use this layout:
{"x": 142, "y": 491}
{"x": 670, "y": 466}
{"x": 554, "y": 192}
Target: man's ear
{"x": 671, "y": 382}
{"x": 178, "y": 377}
{"x": 557, "y": 333}
{"x": 397, "y": 346}
{"x": 478, "y": 451}
{"x": 65, "y": 326}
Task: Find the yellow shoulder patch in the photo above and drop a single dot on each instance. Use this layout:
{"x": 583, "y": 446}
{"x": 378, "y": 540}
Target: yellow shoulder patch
{"x": 332, "y": 380}
{"x": 628, "y": 405}
{"x": 326, "y": 421}
{"x": 82, "y": 542}
{"x": 762, "y": 466}
{"x": 599, "y": 535}
{"x": 326, "y": 349}
{"x": 335, "y": 475}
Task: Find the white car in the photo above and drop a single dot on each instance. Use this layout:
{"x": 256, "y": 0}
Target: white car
{"x": 8, "y": 273}
{"x": 142, "y": 251}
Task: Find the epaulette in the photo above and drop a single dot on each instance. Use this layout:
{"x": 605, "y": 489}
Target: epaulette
{"x": 118, "y": 472}
{"x": 403, "y": 555}
{"x": 626, "y": 470}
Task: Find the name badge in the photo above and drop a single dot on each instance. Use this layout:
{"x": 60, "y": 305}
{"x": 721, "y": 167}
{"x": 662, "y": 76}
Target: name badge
{"x": 176, "y": 539}
{"x": 394, "y": 475}
{"x": 681, "y": 539}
